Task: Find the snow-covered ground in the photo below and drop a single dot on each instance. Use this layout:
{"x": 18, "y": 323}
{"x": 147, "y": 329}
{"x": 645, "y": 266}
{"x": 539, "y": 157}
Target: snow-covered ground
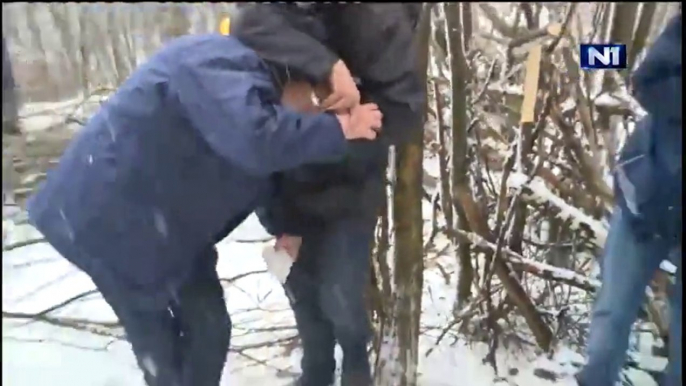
{"x": 36, "y": 353}
{"x": 35, "y": 277}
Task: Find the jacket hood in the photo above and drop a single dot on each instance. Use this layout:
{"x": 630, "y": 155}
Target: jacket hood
{"x": 657, "y": 81}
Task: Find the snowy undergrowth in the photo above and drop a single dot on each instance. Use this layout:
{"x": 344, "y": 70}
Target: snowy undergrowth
{"x": 34, "y": 353}
{"x": 35, "y": 277}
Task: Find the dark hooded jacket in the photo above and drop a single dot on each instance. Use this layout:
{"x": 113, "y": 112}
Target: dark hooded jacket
{"x": 648, "y": 178}
{"x": 376, "y": 41}
{"x": 176, "y": 158}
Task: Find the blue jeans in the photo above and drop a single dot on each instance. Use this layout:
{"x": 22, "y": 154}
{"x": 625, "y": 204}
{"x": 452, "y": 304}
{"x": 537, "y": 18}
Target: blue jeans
{"x": 326, "y": 287}
{"x": 628, "y": 266}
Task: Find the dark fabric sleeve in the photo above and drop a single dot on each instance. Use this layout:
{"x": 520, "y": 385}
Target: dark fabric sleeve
{"x": 300, "y": 207}
{"x": 287, "y": 36}
{"x": 272, "y": 220}
{"x": 377, "y": 42}
{"x": 657, "y": 82}
{"x": 280, "y": 215}
{"x": 239, "y": 114}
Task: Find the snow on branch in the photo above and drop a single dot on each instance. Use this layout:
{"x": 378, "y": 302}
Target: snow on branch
{"x": 538, "y": 191}
{"x": 542, "y": 270}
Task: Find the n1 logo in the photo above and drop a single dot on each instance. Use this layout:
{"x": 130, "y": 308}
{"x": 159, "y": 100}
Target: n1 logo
{"x": 602, "y": 56}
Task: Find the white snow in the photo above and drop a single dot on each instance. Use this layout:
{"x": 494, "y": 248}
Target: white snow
{"x": 542, "y": 193}
{"x": 36, "y": 278}
{"x": 34, "y": 353}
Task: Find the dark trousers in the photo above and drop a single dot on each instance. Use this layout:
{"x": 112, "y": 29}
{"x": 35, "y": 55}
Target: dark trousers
{"x": 326, "y": 288}
{"x": 186, "y": 343}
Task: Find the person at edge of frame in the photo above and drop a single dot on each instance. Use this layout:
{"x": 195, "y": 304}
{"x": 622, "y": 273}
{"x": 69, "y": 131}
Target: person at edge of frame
{"x": 645, "y": 228}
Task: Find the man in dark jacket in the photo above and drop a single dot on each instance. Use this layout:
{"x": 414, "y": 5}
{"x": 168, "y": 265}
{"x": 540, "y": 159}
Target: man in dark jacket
{"x": 333, "y": 207}
{"x": 646, "y": 225}
{"x": 173, "y": 162}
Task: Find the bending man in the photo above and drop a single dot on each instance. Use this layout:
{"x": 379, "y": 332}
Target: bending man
{"x": 177, "y": 158}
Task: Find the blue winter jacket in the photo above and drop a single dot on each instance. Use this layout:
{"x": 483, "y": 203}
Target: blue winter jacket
{"x": 185, "y": 146}
{"x": 648, "y": 179}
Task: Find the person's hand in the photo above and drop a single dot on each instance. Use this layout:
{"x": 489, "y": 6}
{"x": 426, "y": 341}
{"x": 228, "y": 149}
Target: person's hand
{"x": 290, "y": 244}
{"x": 344, "y": 93}
{"x": 363, "y": 122}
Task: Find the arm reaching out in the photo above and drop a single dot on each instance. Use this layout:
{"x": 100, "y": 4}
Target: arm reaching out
{"x": 293, "y": 38}
{"x": 240, "y": 116}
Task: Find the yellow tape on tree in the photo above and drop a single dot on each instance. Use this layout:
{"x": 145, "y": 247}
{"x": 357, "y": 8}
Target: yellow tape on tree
{"x": 225, "y": 26}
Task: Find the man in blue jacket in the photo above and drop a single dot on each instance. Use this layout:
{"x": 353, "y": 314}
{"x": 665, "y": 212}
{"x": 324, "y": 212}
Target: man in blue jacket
{"x": 327, "y": 285}
{"x": 173, "y": 162}
{"x": 646, "y": 225}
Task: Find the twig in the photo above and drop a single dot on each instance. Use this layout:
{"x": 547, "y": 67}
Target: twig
{"x": 21, "y": 244}
{"x": 234, "y": 279}
{"x": 58, "y": 342}
{"x": 563, "y": 28}
{"x": 66, "y": 302}
{"x": 252, "y": 241}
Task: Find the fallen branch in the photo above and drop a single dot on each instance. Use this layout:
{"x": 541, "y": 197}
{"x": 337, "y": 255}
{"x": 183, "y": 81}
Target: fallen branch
{"x": 67, "y": 302}
{"x": 253, "y": 241}
{"x": 21, "y": 244}
{"x": 536, "y": 268}
{"x": 234, "y": 279}
{"x": 105, "y": 329}
{"x": 540, "y": 192}
{"x": 75, "y": 323}
{"x": 58, "y": 342}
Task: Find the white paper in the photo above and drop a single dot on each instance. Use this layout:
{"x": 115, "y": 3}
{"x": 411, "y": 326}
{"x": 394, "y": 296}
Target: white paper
{"x": 278, "y": 262}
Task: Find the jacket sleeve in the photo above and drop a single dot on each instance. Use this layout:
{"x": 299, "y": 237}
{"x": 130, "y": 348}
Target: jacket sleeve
{"x": 301, "y": 206}
{"x": 273, "y": 221}
{"x": 657, "y": 81}
{"x": 402, "y": 118}
{"x": 239, "y": 114}
{"x": 299, "y": 214}
{"x": 377, "y": 42}
{"x": 278, "y": 216}
{"x": 287, "y": 36}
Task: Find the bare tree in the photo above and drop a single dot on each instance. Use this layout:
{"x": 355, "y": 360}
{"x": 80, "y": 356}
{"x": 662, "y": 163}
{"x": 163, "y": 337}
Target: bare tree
{"x": 403, "y": 336}
{"x": 525, "y": 141}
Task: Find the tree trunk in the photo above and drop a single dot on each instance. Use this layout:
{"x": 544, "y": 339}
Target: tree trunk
{"x": 460, "y": 162}
{"x": 84, "y": 53}
{"x": 409, "y": 263}
{"x": 400, "y": 354}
